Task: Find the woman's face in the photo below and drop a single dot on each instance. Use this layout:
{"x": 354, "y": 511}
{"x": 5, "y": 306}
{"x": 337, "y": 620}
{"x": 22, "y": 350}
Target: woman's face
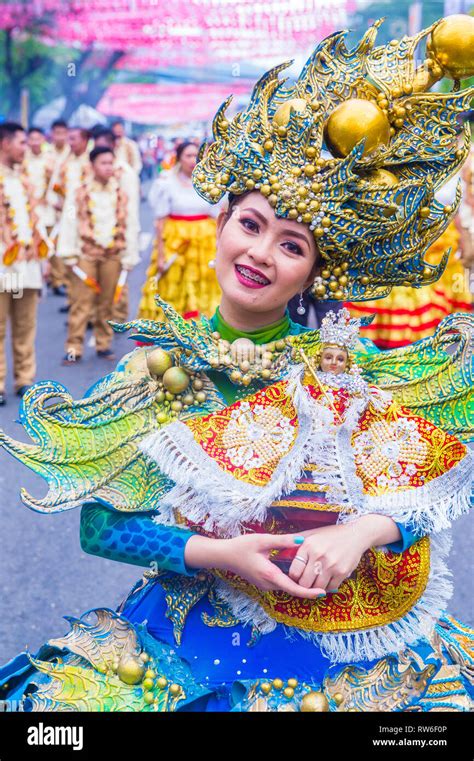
{"x": 333, "y": 360}
{"x": 187, "y": 160}
{"x": 262, "y": 261}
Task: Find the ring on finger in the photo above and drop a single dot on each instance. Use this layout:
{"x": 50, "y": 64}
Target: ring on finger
{"x": 302, "y": 560}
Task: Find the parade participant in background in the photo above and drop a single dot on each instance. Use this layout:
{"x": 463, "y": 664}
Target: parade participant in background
{"x": 38, "y": 167}
{"x": 96, "y": 242}
{"x": 125, "y": 173}
{"x": 408, "y": 314}
{"x": 70, "y": 171}
{"x": 204, "y": 465}
{"x": 59, "y": 150}
{"x": 59, "y": 145}
{"x": 67, "y": 178}
{"x": 147, "y": 146}
{"x": 130, "y": 183}
{"x": 21, "y": 248}
{"x": 180, "y": 270}
{"x": 126, "y": 150}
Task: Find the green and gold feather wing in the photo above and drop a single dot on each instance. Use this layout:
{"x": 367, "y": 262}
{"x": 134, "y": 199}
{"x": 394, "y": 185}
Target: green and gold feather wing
{"x": 87, "y": 450}
{"x": 434, "y": 377}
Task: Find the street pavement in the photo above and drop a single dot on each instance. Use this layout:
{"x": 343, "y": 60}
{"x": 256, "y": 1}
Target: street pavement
{"x": 43, "y": 572}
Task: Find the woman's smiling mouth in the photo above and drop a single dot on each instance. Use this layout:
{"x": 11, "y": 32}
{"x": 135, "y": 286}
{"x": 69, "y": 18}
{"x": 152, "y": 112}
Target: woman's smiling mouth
{"x": 250, "y": 277}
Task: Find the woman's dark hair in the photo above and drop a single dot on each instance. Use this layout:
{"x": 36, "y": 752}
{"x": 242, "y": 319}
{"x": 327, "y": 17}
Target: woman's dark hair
{"x": 181, "y": 148}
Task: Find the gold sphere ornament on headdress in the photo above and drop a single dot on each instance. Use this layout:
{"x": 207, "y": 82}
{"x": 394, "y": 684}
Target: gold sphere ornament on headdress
{"x": 382, "y": 177}
{"x": 370, "y": 103}
{"x": 130, "y": 670}
{"x": 452, "y": 45}
{"x": 351, "y": 122}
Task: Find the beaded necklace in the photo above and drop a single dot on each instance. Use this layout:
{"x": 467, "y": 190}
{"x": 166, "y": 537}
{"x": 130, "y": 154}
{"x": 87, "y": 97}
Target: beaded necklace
{"x": 87, "y": 231}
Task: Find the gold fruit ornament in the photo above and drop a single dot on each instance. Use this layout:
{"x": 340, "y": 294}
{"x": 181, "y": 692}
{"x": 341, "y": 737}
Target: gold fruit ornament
{"x": 314, "y": 702}
{"x": 282, "y": 114}
{"x": 351, "y": 122}
{"x": 159, "y": 361}
{"x": 130, "y": 670}
{"x": 176, "y": 380}
{"x": 382, "y": 177}
{"x": 452, "y": 45}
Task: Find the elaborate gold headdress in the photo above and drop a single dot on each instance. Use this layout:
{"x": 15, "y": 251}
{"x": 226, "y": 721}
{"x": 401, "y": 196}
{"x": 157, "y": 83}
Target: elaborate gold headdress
{"x": 371, "y": 206}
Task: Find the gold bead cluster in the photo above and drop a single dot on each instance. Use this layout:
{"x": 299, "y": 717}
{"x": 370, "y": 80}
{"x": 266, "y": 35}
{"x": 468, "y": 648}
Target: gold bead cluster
{"x": 395, "y": 112}
{"x": 300, "y": 190}
{"x": 311, "y": 702}
{"x": 332, "y": 283}
{"x": 278, "y": 685}
{"x": 245, "y": 360}
{"x": 178, "y": 389}
{"x": 135, "y": 670}
{"x": 152, "y": 685}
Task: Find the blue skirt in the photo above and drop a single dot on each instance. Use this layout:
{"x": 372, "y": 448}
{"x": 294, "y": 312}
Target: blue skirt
{"x": 222, "y": 658}
{"x": 222, "y": 668}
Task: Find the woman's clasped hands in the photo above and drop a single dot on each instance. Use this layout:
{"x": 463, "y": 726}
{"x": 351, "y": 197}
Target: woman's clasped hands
{"x": 324, "y": 558}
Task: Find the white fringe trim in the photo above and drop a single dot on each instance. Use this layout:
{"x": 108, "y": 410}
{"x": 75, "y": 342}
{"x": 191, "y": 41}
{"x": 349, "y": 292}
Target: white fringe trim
{"x": 205, "y": 494}
{"x": 368, "y": 644}
{"x": 429, "y": 508}
{"x": 248, "y": 611}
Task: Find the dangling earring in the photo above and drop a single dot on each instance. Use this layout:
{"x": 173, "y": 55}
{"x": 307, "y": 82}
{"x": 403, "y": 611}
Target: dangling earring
{"x": 211, "y": 264}
{"x": 300, "y": 308}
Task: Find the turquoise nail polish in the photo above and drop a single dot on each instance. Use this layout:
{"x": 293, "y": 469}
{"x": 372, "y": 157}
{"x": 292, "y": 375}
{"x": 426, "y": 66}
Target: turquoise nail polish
{"x": 298, "y": 539}
{"x": 333, "y": 591}
{"x": 321, "y": 595}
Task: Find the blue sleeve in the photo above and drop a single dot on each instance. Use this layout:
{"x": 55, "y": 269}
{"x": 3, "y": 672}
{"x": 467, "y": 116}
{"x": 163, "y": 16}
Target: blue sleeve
{"x": 408, "y": 537}
{"x": 134, "y": 538}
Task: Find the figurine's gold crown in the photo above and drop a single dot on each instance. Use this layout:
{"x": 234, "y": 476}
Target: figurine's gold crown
{"x": 371, "y": 206}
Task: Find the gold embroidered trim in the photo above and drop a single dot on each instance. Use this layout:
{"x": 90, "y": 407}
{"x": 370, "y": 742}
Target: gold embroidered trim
{"x": 386, "y": 587}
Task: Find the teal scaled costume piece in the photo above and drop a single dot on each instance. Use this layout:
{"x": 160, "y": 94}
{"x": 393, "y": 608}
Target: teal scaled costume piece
{"x": 134, "y": 539}
{"x": 181, "y": 659}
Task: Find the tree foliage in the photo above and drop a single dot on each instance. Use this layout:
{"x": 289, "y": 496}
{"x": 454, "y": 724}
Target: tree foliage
{"x": 47, "y": 70}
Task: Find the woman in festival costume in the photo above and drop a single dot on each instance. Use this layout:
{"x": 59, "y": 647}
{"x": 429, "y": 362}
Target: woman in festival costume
{"x": 185, "y": 244}
{"x": 409, "y": 314}
{"x": 210, "y": 456}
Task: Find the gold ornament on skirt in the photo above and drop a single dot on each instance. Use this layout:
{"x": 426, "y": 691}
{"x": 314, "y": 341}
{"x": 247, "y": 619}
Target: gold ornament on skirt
{"x": 370, "y": 201}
